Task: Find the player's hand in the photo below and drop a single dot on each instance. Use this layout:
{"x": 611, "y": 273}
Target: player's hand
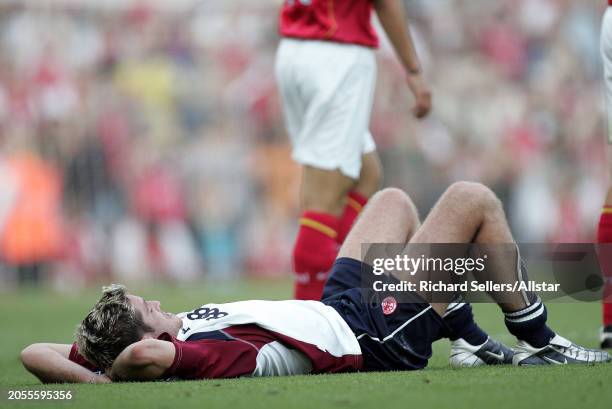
{"x": 422, "y": 94}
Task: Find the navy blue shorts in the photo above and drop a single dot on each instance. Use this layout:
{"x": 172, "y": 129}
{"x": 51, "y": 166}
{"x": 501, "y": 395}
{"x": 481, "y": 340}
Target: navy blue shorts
{"x": 392, "y": 335}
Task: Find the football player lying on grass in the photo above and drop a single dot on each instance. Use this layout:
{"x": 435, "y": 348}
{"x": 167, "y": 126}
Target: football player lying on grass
{"x": 125, "y": 337}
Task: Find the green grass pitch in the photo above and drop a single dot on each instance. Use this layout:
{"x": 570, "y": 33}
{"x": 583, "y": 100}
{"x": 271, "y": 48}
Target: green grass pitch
{"x": 36, "y": 315}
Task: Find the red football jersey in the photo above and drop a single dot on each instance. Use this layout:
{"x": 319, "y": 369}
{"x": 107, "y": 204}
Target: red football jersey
{"x": 343, "y": 21}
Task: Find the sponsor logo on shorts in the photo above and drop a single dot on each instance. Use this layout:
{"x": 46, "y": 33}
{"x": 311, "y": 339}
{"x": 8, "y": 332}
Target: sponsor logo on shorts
{"x": 389, "y": 305}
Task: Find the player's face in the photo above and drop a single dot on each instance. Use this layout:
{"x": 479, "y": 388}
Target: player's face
{"x": 154, "y": 317}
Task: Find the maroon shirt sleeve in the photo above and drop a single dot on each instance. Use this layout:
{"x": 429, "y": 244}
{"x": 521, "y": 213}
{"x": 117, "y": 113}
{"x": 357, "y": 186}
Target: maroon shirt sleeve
{"x": 211, "y": 358}
{"x": 79, "y": 359}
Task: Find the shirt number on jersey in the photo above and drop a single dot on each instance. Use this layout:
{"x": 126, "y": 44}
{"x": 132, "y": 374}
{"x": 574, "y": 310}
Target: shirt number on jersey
{"x": 291, "y": 3}
{"x": 206, "y": 313}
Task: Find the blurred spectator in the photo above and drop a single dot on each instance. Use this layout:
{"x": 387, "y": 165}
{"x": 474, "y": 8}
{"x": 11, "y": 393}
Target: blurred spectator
{"x": 31, "y": 237}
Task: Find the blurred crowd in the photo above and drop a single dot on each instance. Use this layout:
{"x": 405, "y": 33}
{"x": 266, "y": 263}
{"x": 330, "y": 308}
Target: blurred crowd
{"x": 142, "y": 140}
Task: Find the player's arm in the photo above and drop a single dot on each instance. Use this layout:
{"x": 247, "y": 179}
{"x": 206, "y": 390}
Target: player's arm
{"x": 51, "y": 364}
{"x": 144, "y": 360}
{"x": 392, "y": 17}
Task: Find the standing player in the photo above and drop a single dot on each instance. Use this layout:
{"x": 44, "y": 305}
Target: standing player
{"x": 604, "y": 233}
{"x": 326, "y": 70}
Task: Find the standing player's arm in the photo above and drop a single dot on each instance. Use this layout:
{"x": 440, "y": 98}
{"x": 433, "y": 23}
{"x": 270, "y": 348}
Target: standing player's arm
{"x": 143, "y": 360}
{"x": 51, "y": 364}
{"x": 392, "y": 16}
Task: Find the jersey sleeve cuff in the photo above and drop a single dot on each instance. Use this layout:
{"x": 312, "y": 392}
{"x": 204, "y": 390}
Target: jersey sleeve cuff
{"x": 178, "y": 354}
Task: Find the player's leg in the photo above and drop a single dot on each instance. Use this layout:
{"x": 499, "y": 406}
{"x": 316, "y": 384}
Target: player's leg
{"x": 391, "y": 217}
{"x": 324, "y": 191}
{"x": 315, "y": 248}
{"x": 368, "y": 183}
{"x": 321, "y": 191}
{"x": 457, "y": 218}
{"x": 329, "y": 88}
{"x": 470, "y": 211}
{"x": 371, "y": 175}
{"x": 469, "y": 342}
{"x": 604, "y": 231}
{"x": 398, "y": 336}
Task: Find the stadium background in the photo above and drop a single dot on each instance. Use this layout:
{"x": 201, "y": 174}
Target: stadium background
{"x": 144, "y": 140}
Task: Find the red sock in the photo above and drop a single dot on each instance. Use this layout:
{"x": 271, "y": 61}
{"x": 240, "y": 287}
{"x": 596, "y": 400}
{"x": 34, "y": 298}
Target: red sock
{"x": 314, "y": 253}
{"x": 604, "y": 235}
{"x": 354, "y": 203}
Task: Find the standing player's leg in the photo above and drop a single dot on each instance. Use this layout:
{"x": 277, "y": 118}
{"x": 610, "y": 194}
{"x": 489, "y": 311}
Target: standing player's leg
{"x": 335, "y": 201}
{"x": 322, "y": 196}
{"x": 470, "y": 212}
{"x": 604, "y": 231}
{"x": 327, "y": 92}
{"x": 368, "y": 184}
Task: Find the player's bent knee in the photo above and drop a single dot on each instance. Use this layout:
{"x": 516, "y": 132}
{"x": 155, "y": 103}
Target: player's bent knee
{"x": 465, "y": 188}
{"x": 475, "y": 194}
{"x": 396, "y": 201}
{"x": 392, "y": 198}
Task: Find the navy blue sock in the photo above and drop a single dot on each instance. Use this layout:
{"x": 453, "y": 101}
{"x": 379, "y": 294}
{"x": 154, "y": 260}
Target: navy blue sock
{"x": 529, "y": 324}
{"x": 460, "y": 322}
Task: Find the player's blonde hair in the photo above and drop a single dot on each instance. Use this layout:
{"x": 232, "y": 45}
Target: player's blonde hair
{"x": 109, "y": 327}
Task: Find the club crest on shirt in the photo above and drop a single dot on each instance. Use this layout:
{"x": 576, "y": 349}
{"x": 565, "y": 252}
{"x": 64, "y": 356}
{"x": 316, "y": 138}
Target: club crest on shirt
{"x": 388, "y": 305}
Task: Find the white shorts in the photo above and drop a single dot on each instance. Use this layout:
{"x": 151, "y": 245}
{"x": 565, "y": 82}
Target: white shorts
{"x": 327, "y": 90}
{"x": 606, "y": 55}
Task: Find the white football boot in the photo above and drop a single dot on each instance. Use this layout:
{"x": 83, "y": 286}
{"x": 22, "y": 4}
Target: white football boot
{"x": 492, "y": 352}
{"x": 559, "y": 351}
